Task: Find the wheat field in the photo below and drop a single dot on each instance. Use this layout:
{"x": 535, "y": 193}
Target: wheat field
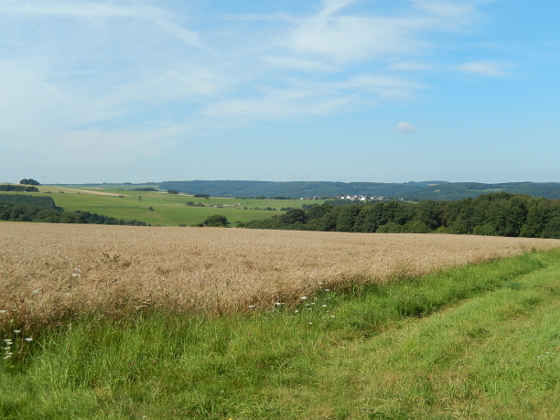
{"x": 50, "y": 272}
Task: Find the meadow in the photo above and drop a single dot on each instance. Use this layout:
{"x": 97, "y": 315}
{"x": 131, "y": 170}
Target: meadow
{"x": 161, "y": 208}
{"x": 115, "y": 322}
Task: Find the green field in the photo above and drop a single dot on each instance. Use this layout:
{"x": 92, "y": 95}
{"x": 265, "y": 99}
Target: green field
{"x": 479, "y": 342}
{"x": 168, "y": 209}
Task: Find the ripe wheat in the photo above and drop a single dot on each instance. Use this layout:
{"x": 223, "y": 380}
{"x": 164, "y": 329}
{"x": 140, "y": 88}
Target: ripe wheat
{"x": 50, "y": 272}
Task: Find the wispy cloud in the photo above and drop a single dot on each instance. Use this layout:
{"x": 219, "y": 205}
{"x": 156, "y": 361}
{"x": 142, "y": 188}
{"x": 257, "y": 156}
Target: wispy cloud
{"x": 112, "y": 70}
{"x": 404, "y": 127}
{"x": 486, "y": 68}
{"x": 89, "y": 10}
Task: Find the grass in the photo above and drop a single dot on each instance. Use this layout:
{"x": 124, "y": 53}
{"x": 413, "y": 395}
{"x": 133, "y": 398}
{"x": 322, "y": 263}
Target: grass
{"x": 480, "y": 341}
{"x": 168, "y": 209}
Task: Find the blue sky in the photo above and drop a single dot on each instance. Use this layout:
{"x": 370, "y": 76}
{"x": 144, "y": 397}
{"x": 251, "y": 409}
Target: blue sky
{"x": 334, "y": 90}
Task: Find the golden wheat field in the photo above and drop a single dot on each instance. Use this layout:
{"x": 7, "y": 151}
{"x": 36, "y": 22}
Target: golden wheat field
{"x": 50, "y": 271}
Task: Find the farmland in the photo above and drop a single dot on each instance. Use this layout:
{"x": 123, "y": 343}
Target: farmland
{"x": 106, "y": 269}
{"x": 168, "y": 322}
{"x": 161, "y": 208}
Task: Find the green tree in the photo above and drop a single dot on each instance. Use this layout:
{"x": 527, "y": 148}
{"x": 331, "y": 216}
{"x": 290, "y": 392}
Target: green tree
{"x": 293, "y": 216}
{"x": 216, "y": 221}
{"x": 346, "y": 217}
{"x": 29, "y": 181}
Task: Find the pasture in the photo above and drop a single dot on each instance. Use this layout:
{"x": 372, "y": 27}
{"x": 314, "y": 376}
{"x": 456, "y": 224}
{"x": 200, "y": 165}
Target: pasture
{"x": 161, "y": 208}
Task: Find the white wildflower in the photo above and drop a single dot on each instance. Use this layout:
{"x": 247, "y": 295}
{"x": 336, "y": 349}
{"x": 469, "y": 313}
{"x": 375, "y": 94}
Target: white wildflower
{"x": 28, "y": 339}
{"x": 303, "y": 297}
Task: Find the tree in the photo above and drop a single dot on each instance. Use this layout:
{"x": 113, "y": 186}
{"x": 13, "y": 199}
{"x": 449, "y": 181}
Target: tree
{"x": 293, "y": 216}
{"x": 29, "y": 181}
{"x": 216, "y": 221}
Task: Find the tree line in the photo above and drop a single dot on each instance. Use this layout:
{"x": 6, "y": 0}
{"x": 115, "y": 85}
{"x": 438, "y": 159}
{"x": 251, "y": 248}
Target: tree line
{"x": 22, "y": 208}
{"x": 22, "y": 188}
{"x": 498, "y": 214}
{"x": 412, "y": 191}
{"x": 46, "y": 202}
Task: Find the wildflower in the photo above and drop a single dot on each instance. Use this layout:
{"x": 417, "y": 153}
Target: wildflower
{"x": 28, "y": 339}
{"x": 327, "y": 290}
{"x": 324, "y": 306}
{"x": 251, "y": 306}
{"x": 296, "y": 311}
{"x": 278, "y": 304}
{"x": 17, "y": 331}
{"x": 3, "y": 312}
{"x": 75, "y": 274}
{"x": 311, "y": 323}
{"x": 303, "y": 297}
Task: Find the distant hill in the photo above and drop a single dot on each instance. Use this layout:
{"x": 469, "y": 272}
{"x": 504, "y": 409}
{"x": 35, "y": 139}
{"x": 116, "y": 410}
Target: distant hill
{"x": 296, "y": 189}
{"x": 425, "y": 190}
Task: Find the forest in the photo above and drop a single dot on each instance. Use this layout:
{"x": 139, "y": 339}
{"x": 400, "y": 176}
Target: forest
{"x": 497, "y": 214}
{"x": 410, "y": 191}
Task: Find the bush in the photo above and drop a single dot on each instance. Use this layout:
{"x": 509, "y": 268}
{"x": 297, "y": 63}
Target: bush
{"x": 215, "y": 221}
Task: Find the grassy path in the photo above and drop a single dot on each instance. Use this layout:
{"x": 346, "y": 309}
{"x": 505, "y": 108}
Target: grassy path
{"x": 476, "y": 342}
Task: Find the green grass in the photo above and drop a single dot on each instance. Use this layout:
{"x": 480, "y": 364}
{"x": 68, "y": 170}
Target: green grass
{"x": 475, "y": 342}
{"x": 168, "y": 209}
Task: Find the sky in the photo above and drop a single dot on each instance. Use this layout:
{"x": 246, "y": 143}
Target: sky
{"x": 279, "y": 90}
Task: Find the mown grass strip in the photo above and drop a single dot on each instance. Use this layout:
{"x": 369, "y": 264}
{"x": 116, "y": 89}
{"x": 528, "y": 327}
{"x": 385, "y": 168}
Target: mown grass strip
{"x": 463, "y": 343}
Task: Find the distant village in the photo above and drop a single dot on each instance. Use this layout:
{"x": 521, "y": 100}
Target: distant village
{"x": 351, "y": 198}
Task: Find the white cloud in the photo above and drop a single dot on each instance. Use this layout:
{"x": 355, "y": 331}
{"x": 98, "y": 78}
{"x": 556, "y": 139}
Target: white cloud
{"x": 485, "y": 68}
{"x": 89, "y": 10}
{"x": 410, "y": 66}
{"x": 299, "y": 64}
{"x": 125, "y": 72}
{"x": 445, "y": 9}
{"x": 333, "y": 6}
{"x": 404, "y": 127}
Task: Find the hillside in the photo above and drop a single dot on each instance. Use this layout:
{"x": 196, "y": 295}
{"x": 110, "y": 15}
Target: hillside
{"x": 425, "y": 190}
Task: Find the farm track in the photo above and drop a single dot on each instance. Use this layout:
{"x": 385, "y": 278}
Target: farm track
{"x": 50, "y": 272}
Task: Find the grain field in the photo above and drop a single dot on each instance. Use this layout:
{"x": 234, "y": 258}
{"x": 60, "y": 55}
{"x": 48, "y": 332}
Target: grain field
{"x": 49, "y": 272}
